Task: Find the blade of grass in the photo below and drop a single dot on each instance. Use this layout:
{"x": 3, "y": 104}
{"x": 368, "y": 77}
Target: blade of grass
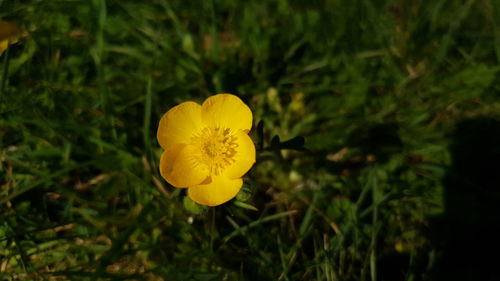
{"x": 118, "y": 244}
{"x": 147, "y": 113}
{"x": 282, "y": 259}
{"x": 98, "y": 55}
{"x": 256, "y": 223}
{"x": 454, "y": 26}
{"x": 373, "y": 246}
{"x": 43, "y": 180}
{"x": 22, "y": 253}
{"x": 245, "y": 206}
{"x": 495, "y": 18}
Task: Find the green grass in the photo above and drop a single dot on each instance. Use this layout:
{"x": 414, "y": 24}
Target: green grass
{"x": 375, "y": 88}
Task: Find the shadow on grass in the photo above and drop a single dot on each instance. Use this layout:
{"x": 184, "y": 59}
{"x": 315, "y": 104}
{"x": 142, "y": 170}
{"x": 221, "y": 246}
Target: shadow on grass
{"x": 466, "y": 236}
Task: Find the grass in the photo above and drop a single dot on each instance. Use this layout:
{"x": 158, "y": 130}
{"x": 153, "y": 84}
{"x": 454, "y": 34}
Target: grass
{"x": 383, "y": 93}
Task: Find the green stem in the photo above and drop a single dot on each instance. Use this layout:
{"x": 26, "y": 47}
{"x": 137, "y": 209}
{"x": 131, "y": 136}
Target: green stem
{"x": 373, "y": 254}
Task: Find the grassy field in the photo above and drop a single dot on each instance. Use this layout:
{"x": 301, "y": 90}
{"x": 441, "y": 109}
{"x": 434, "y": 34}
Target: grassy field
{"x": 398, "y": 103}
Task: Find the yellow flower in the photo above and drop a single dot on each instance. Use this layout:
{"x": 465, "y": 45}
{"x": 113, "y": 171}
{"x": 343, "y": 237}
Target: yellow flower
{"x": 207, "y": 147}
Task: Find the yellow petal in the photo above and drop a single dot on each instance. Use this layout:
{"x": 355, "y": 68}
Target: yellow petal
{"x": 244, "y": 158}
{"x": 179, "y": 167}
{"x": 179, "y": 124}
{"x": 220, "y": 190}
{"x": 226, "y": 111}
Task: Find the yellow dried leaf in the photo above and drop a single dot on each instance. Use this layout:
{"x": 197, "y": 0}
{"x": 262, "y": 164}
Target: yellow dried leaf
{"x": 9, "y": 34}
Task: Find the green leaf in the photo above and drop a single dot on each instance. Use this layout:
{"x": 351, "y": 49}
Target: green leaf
{"x": 245, "y": 206}
{"x": 193, "y": 207}
{"x": 244, "y": 194}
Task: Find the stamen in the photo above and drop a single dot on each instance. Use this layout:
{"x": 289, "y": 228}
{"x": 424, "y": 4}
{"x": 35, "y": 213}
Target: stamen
{"x": 217, "y": 149}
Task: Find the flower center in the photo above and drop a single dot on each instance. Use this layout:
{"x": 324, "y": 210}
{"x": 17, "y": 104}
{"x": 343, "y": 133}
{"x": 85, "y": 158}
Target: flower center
{"x": 217, "y": 149}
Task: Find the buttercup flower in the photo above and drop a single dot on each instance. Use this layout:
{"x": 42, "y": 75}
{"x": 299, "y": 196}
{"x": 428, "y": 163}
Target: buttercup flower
{"x": 207, "y": 147}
